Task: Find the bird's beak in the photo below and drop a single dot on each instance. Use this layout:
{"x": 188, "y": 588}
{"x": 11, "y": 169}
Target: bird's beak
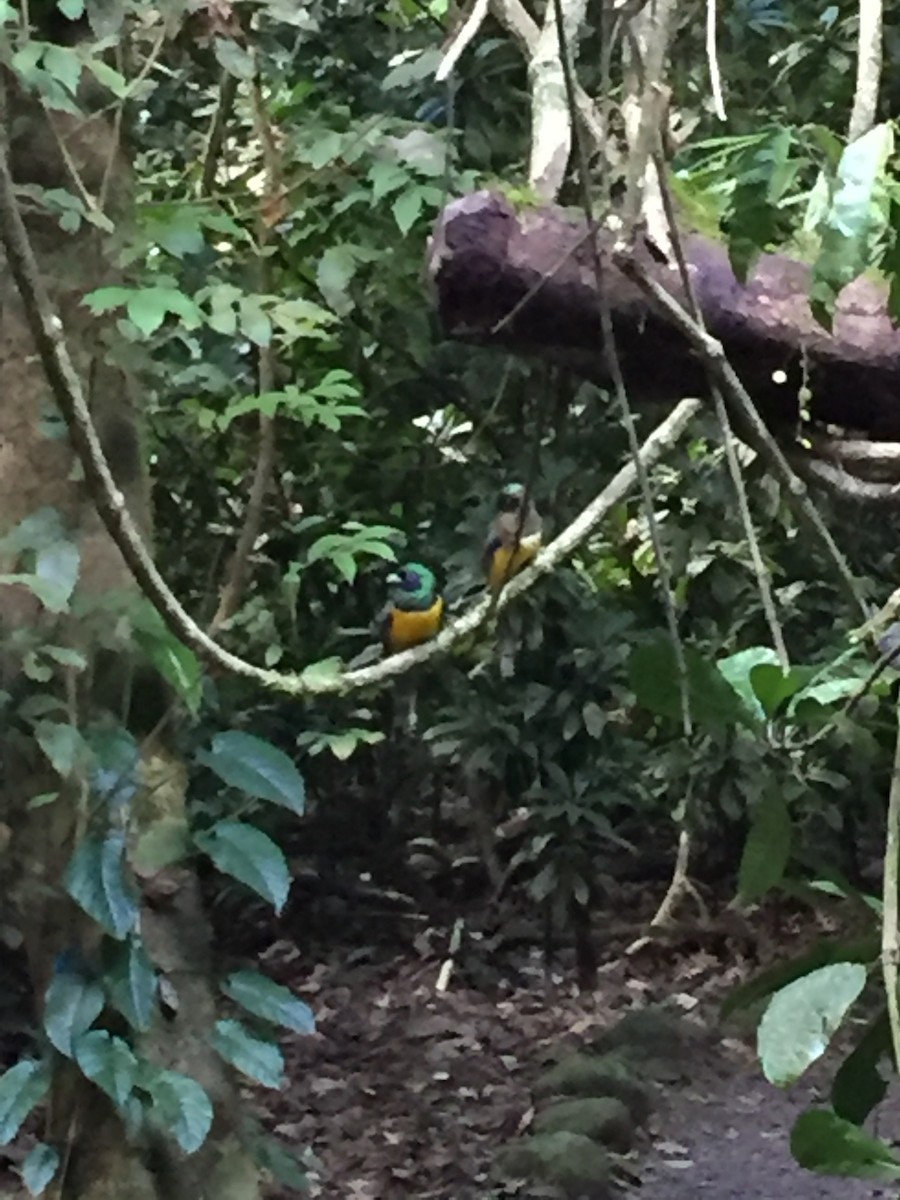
{"x": 393, "y": 577}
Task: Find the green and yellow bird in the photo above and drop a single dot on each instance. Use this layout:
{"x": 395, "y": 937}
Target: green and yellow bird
{"x": 414, "y": 611}
{"x": 514, "y": 536}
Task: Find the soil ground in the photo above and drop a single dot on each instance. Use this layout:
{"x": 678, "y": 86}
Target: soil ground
{"x": 409, "y": 1092}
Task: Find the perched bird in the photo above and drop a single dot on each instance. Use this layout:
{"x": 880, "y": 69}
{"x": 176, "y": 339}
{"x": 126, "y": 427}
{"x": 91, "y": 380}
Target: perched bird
{"x": 514, "y": 536}
{"x": 414, "y": 610}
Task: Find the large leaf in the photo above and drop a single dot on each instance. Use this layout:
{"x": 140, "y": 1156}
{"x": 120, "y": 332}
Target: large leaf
{"x": 653, "y": 673}
{"x": 57, "y": 566}
{"x": 267, "y": 999}
{"x": 180, "y": 1105}
{"x": 824, "y": 952}
{"x": 248, "y": 855}
{"x": 96, "y": 879}
{"x": 855, "y": 220}
{"x": 131, "y": 983}
{"x": 736, "y": 669}
{"x": 768, "y": 846}
{"x": 21, "y": 1088}
{"x": 256, "y": 767}
{"x": 71, "y": 1005}
{"x": 109, "y": 1062}
{"x": 801, "y": 1019}
{"x": 62, "y": 743}
{"x": 858, "y": 1085}
{"x": 39, "y": 1167}
{"x": 821, "y": 1141}
{"x": 114, "y": 776}
{"x": 257, "y": 1059}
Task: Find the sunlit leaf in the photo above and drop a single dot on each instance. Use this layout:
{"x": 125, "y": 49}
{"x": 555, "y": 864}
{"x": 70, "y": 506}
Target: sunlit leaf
{"x": 259, "y": 1060}
{"x": 249, "y": 856}
{"x": 822, "y": 1141}
{"x": 256, "y": 767}
{"x": 270, "y": 1000}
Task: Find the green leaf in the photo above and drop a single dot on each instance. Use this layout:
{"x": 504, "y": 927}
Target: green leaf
{"x": 96, "y": 879}
{"x": 821, "y": 1141}
{"x": 856, "y": 221}
{"x": 653, "y": 673}
{"x": 406, "y": 209}
{"x": 104, "y": 300}
{"x": 267, "y": 999}
{"x": 736, "y": 670}
{"x": 71, "y": 1005}
{"x": 858, "y": 1086}
{"x": 249, "y": 856}
{"x": 147, "y": 308}
{"x": 256, "y": 767}
{"x": 57, "y": 565}
{"x": 772, "y": 685}
{"x": 63, "y": 745}
{"x": 280, "y": 1162}
{"x": 257, "y": 1059}
{"x": 177, "y": 663}
{"x": 321, "y": 674}
{"x": 823, "y": 953}
{"x": 64, "y": 65}
{"x": 594, "y": 719}
{"x": 39, "y": 1167}
{"x": 22, "y": 1087}
{"x": 73, "y": 9}
{"x": 768, "y": 846}
{"x": 109, "y": 1062}
{"x": 336, "y": 269}
{"x": 180, "y": 1105}
{"x": 132, "y": 985}
{"x": 116, "y": 761}
{"x": 254, "y": 321}
{"x": 234, "y": 58}
{"x": 801, "y": 1019}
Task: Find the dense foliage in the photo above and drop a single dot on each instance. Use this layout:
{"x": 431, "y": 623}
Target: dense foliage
{"x": 289, "y": 163}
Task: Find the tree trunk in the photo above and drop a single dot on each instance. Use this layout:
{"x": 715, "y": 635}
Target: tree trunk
{"x": 38, "y": 473}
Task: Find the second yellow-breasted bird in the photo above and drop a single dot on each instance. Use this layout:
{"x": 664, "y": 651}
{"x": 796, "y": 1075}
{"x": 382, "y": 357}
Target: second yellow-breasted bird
{"x": 502, "y": 557}
{"x": 415, "y": 608}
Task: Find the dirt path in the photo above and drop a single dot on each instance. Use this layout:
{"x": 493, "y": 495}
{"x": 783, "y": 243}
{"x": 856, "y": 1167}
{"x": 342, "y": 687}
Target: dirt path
{"x": 727, "y": 1138}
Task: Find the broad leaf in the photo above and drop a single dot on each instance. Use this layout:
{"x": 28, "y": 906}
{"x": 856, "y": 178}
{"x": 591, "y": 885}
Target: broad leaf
{"x": 96, "y": 879}
{"x": 109, "y": 1062}
{"x": 132, "y": 985}
{"x": 802, "y": 1018}
{"x": 825, "y": 952}
{"x": 62, "y": 743}
{"x": 257, "y": 1059}
{"x": 71, "y": 1005}
{"x": 858, "y": 1084}
{"x": 821, "y": 1141}
{"x": 267, "y": 999}
{"x": 249, "y": 856}
{"x": 114, "y": 777}
{"x": 256, "y": 767}
{"x": 768, "y": 846}
{"x": 22, "y": 1087}
{"x": 653, "y": 672}
{"x": 39, "y": 1167}
{"x": 180, "y": 1105}
{"x": 736, "y": 668}
{"x": 57, "y": 565}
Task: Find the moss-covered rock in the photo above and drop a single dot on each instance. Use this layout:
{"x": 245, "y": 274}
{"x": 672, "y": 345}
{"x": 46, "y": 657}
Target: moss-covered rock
{"x": 569, "y": 1161}
{"x": 599, "y": 1075}
{"x": 658, "y": 1039}
{"x": 602, "y": 1118}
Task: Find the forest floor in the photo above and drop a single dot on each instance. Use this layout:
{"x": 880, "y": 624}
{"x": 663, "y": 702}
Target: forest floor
{"x": 407, "y": 1091}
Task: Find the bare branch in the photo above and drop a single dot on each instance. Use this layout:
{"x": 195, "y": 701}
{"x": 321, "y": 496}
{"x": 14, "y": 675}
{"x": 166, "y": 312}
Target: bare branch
{"x": 868, "y": 69}
{"x": 712, "y": 58}
{"x": 551, "y": 124}
{"x": 458, "y": 47}
{"x": 890, "y": 933}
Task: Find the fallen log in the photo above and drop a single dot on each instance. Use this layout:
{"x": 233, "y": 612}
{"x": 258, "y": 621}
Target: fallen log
{"x": 525, "y": 280}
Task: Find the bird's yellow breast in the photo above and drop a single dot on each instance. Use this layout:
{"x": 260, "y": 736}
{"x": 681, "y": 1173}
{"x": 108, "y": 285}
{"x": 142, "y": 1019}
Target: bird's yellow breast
{"x": 411, "y": 628}
{"x": 506, "y": 562}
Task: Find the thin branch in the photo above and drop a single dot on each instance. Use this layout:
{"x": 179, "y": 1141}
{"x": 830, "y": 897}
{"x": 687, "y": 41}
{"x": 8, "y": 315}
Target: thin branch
{"x": 513, "y": 16}
{"x": 750, "y": 424}
{"x": 458, "y": 46}
{"x": 239, "y": 568}
{"x": 868, "y": 69}
{"x": 621, "y": 392}
{"x": 216, "y": 136}
{"x": 551, "y": 115}
{"x": 110, "y": 503}
{"x": 890, "y": 935}
{"x": 712, "y": 58}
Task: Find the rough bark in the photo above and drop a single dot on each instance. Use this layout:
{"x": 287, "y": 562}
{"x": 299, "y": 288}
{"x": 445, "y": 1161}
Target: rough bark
{"x": 486, "y": 258}
{"x": 37, "y": 472}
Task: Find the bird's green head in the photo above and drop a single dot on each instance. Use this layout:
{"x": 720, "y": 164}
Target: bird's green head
{"x": 412, "y": 585}
{"x": 511, "y": 497}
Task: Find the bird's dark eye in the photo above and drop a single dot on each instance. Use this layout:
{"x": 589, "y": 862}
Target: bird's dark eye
{"x": 409, "y": 581}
